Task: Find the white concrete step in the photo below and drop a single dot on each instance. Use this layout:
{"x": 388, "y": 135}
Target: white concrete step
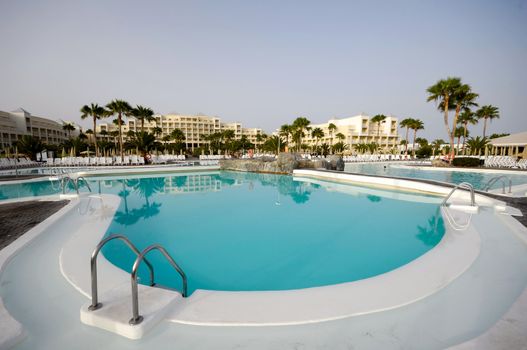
{"x": 116, "y": 310}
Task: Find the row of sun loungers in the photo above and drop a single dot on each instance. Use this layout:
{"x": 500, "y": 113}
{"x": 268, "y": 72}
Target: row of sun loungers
{"x": 376, "y": 158}
{"x": 95, "y": 161}
{"x": 213, "y": 157}
{"x": 21, "y": 162}
{"x": 505, "y": 162}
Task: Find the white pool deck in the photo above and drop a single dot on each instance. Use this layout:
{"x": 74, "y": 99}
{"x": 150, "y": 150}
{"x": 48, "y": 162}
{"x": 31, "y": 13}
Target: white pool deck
{"x": 463, "y": 291}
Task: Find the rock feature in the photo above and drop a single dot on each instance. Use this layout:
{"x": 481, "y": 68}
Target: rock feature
{"x": 284, "y": 164}
{"x": 440, "y": 163}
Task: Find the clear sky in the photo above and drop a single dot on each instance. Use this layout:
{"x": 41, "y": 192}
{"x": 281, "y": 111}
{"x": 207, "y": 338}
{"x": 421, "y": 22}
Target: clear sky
{"x": 264, "y": 63}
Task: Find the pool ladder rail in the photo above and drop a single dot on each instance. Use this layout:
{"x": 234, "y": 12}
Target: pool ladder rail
{"x": 495, "y": 179}
{"x": 66, "y": 179}
{"x": 141, "y": 256}
{"x": 470, "y": 209}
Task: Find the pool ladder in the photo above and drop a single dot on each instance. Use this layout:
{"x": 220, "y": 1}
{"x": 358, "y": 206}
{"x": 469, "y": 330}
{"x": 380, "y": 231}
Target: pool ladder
{"x": 466, "y": 186}
{"x": 496, "y": 179}
{"x": 75, "y": 182}
{"x": 456, "y": 226}
{"x": 136, "y": 318}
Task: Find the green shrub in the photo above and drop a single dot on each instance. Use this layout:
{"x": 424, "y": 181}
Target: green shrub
{"x": 425, "y": 151}
{"x": 466, "y": 162}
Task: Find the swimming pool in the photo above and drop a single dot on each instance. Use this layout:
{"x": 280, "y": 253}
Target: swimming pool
{"x": 246, "y": 232}
{"x": 477, "y": 179}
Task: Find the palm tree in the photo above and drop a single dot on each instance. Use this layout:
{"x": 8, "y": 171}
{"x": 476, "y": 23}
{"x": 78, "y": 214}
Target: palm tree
{"x": 378, "y": 119}
{"x": 178, "y": 136}
{"x": 436, "y": 145}
{"x": 143, "y": 141}
{"x": 317, "y": 134}
{"x": 331, "y": 129}
{"x": 405, "y": 123}
{"x": 464, "y": 99}
{"x": 30, "y": 146}
{"x": 121, "y": 108}
{"x": 69, "y": 128}
{"x": 285, "y": 131}
{"x": 228, "y": 135}
{"x": 143, "y": 113}
{"x": 300, "y": 124}
{"x": 340, "y": 136}
{"x": 459, "y": 132}
{"x": 476, "y": 145}
{"x": 487, "y": 112}
{"x": 416, "y": 125}
{"x": 96, "y": 112}
{"x": 339, "y": 147}
{"x": 443, "y": 92}
{"x": 466, "y": 117}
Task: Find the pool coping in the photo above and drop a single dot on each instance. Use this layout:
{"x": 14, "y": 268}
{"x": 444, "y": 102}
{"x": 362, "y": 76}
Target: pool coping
{"x": 11, "y": 331}
{"x": 219, "y": 308}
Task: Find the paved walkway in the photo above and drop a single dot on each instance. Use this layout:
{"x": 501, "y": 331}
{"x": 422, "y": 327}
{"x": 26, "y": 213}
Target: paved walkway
{"x": 18, "y": 218}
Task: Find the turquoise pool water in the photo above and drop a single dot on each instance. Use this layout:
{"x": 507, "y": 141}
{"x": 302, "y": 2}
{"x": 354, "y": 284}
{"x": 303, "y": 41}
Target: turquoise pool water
{"x": 477, "y": 179}
{"x": 234, "y": 231}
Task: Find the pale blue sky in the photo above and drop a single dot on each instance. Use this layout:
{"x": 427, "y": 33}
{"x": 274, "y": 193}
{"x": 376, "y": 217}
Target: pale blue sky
{"x": 264, "y": 63}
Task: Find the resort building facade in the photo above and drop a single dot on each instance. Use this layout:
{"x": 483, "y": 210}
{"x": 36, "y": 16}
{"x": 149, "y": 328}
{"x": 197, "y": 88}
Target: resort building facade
{"x": 195, "y": 127}
{"x": 14, "y": 125}
{"x": 357, "y": 129}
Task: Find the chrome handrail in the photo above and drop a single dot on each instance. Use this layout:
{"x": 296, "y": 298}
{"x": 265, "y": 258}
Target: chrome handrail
{"x": 465, "y": 186}
{"x": 93, "y": 265}
{"x": 136, "y": 318}
{"x": 65, "y": 179}
{"x": 495, "y": 179}
{"x": 455, "y": 225}
{"x": 85, "y": 182}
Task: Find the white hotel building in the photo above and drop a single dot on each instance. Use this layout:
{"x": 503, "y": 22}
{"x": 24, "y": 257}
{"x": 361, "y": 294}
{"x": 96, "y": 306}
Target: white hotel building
{"x": 193, "y": 126}
{"x": 358, "y": 129}
{"x": 13, "y": 125}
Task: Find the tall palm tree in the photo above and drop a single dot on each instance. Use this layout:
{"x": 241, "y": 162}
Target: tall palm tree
{"x": 300, "y": 124}
{"x": 96, "y": 112}
{"x": 331, "y": 129}
{"x": 317, "y": 134}
{"x": 459, "y": 132}
{"x": 121, "y": 108}
{"x": 417, "y": 124}
{"x": 143, "y": 114}
{"x": 285, "y": 131}
{"x": 487, "y": 112}
{"x": 466, "y": 117}
{"x": 443, "y": 92}
{"x": 228, "y": 135}
{"x": 405, "y": 123}
{"x": 464, "y": 100}
{"x": 378, "y": 119}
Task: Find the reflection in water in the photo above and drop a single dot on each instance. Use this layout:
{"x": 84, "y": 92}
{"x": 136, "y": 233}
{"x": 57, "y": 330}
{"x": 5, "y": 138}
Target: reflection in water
{"x": 148, "y": 188}
{"x": 432, "y": 233}
{"x": 373, "y": 198}
{"x": 298, "y": 191}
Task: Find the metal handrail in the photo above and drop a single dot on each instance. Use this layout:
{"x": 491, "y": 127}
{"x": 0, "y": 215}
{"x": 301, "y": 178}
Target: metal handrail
{"x": 465, "y": 186}
{"x": 136, "y": 318}
{"x": 93, "y": 265}
{"x": 495, "y": 179}
{"x": 85, "y": 182}
{"x": 456, "y": 226}
{"x": 65, "y": 179}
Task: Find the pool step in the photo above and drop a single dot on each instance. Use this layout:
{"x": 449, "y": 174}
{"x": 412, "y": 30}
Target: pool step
{"x": 113, "y": 316}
